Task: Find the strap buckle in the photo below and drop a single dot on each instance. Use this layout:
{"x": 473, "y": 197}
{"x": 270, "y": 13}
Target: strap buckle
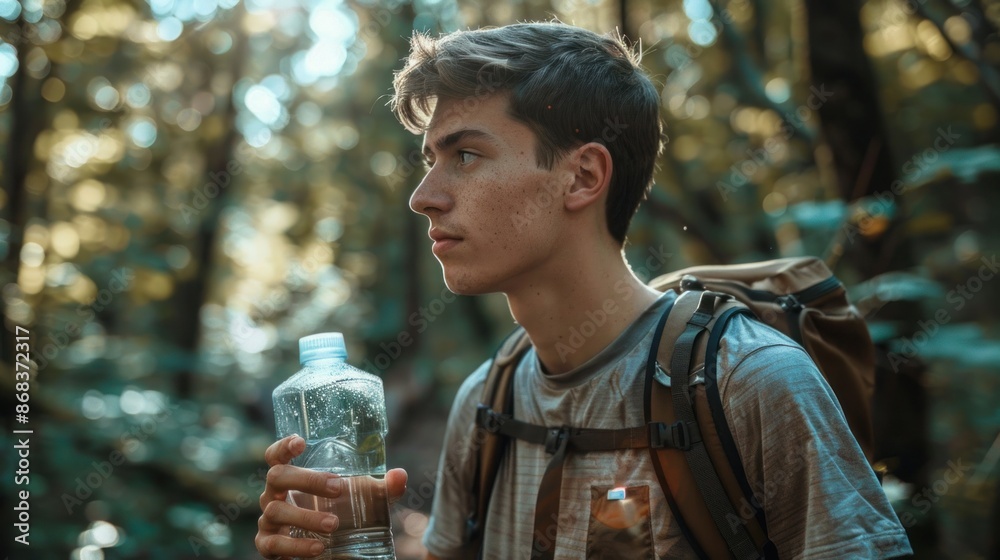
{"x": 691, "y": 282}
{"x": 706, "y": 307}
{"x": 789, "y": 303}
{"x": 554, "y": 439}
{"x": 679, "y": 435}
{"x": 488, "y": 419}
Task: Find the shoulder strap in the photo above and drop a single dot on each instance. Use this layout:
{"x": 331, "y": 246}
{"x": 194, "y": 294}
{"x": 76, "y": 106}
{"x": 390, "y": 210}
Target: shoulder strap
{"x": 489, "y": 446}
{"x": 700, "y": 483}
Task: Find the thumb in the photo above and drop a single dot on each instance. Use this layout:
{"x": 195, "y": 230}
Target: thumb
{"x": 395, "y": 483}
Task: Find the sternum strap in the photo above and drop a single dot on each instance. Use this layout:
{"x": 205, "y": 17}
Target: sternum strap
{"x": 655, "y": 434}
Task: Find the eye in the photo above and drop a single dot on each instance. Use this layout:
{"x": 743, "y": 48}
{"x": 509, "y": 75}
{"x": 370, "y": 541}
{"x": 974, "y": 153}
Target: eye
{"x": 466, "y": 158}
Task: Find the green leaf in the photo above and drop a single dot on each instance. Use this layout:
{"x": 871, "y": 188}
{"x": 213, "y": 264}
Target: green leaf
{"x": 963, "y": 164}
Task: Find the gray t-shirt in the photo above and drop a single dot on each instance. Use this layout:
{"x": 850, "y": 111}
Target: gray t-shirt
{"x": 820, "y": 497}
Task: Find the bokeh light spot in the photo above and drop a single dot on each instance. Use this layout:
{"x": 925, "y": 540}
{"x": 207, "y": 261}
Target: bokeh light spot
{"x": 777, "y": 90}
{"x": 775, "y": 204}
{"x": 383, "y": 164}
{"x": 53, "y": 90}
{"x": 702, "y": 32}
{"x": 263, "y": 103}
{"x": 32, "y": 254}
{"x": 137, "y": 95}
{"x": 169, "y": 29}
{"x": 10, "y": 9}
{"x": 8, "y": 60}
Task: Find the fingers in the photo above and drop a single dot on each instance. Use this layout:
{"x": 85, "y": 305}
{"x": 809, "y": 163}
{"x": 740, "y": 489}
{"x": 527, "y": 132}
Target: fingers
{"x": 283, "y": 450}
{"x": 395, "y": 484}
{"x": 278, "y": 455}
{"x": 272, "y": 540}
{"x": 277, "y": 515}
{"x": 290, "y": 477}
{"x": 280, "y": 546}
{"x": 281, "y": 478}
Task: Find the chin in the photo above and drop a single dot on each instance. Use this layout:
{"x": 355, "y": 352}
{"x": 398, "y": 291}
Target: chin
{"x": 466, "y": 285}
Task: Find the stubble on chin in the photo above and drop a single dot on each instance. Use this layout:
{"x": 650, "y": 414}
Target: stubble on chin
{"x": 465, "y": 284}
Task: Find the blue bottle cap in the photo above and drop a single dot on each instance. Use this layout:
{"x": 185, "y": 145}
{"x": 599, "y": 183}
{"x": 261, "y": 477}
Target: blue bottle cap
{"x": 322, "y": 345}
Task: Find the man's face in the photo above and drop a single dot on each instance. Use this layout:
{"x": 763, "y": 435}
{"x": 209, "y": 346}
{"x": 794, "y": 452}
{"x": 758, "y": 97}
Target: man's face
{"x": 496, "y": 216}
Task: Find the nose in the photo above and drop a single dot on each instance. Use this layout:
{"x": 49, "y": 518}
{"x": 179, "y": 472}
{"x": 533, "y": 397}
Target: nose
{"x": 431, "y": 195}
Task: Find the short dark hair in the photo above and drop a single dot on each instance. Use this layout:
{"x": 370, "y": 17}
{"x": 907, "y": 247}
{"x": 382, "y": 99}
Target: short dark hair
{"x": 569, "y": 85}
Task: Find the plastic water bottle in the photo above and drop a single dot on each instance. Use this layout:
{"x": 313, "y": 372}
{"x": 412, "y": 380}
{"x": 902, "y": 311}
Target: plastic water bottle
{"x": 340, "y": 411}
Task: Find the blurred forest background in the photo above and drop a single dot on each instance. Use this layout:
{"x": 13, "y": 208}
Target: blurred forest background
{"x": 189, "y": 186}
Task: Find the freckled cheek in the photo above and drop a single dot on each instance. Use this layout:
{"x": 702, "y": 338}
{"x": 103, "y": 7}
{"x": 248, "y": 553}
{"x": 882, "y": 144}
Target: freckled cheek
{"x": 501, "y": 211}
{"x": 495, "y": 205}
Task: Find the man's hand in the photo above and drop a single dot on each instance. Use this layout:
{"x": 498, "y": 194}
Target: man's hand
{"x": 274, "y": 526}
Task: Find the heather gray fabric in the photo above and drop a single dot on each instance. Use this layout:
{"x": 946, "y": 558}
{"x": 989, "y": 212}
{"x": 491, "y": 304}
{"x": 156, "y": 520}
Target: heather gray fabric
{"x": 820, "y": 496}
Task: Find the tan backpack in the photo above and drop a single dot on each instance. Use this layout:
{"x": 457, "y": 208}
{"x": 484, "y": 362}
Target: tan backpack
{"x": 692, "y": 448}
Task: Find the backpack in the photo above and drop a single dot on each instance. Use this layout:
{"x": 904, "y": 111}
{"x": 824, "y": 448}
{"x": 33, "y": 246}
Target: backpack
{"x": 692, "y": 449}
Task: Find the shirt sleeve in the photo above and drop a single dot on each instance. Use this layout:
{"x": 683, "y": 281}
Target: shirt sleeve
{"x": 821, "y": 499}
{"x": 453, "y": 488}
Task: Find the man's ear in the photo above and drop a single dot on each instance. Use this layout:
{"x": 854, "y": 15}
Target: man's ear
{"x": 591, "y": 166}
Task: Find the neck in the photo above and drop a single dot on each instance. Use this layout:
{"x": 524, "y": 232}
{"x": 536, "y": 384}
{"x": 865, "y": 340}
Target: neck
{"x": 580, "y": 306}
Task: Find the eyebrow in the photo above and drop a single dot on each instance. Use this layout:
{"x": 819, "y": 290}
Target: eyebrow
{"x": 450, "y": 140}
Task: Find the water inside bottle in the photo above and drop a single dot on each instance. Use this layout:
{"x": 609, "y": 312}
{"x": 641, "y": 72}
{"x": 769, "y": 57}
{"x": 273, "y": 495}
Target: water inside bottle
{"x": 363, "y": 510}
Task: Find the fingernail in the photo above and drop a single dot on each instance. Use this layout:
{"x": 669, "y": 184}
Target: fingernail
{"x": 330, "y": 523}
{"x": 333, "y": 485}
{"x": 316, "y": 548}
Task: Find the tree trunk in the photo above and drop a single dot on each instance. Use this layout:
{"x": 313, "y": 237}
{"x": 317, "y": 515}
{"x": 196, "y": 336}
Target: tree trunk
{"x": 190, "y": 294}
{"x": 845, "y": 94}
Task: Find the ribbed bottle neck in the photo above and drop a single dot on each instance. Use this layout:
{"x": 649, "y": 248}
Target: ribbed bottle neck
{"x": 324, "y": 362}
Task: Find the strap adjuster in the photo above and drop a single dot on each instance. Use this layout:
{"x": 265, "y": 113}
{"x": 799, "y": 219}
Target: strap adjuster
{"x": 691, "y": 282}
{"x": 488, "y": 419}
{"x": 554, "y": 439}
{"x": 789, "y": 303}
{"x": 679, "y": 435}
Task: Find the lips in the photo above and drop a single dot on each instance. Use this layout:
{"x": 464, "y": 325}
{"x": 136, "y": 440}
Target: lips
{"x": 443, "y": 240}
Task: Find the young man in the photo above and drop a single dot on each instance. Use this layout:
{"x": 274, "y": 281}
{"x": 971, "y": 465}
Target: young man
{"x": 541, "y": 141}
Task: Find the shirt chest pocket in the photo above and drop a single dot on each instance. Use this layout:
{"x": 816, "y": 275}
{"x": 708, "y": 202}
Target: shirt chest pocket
{"x": 620, "y": 527}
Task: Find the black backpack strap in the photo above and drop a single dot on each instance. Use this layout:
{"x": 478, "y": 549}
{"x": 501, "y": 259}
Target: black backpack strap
{"x": 722, "y": 425}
